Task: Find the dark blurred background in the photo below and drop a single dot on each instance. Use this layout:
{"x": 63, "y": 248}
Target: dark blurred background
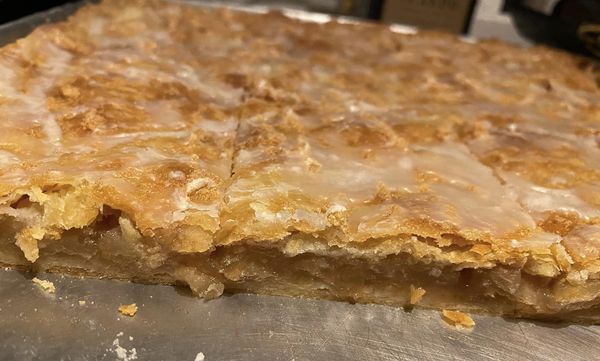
{"x": 573, "y": 25}
{"x": 11, "y": 9}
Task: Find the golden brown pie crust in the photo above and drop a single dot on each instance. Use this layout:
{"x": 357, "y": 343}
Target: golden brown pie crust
{"x": 233, "y": 151}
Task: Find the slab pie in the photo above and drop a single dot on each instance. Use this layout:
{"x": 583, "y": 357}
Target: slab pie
{"x": 232, "y": 151}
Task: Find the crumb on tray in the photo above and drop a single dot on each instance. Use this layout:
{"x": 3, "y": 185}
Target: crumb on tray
{"x": 416, "y": 294}
{"x": 458, "y": 319}
{"x": 81, "y": 303}
{"x": 199, "y": 357}
{"x": 128, "y": 310}
{"x": 122, "y": 353}
{"x": 45, "y": 285}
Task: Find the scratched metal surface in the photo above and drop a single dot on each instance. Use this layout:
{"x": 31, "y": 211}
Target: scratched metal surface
{"x": 173, "y": 325}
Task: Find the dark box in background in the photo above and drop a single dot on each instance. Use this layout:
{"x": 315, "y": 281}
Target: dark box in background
{"x": 448, "y": 15}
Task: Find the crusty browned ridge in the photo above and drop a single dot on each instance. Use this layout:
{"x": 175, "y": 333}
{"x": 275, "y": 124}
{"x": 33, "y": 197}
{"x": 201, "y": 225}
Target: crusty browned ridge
{"x": 225, "y": 150}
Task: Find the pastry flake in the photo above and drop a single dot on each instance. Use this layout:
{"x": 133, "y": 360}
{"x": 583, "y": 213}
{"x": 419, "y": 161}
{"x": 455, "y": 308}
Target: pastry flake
{"x": 458, "y": 319}
{"x": 128, "y": 310}
{"x": 416, "y": 295}
{"x": 45, "y": 285}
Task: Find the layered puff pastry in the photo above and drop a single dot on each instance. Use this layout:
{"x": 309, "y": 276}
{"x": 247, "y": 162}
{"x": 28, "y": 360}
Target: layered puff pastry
{"x": 233, "y": 151}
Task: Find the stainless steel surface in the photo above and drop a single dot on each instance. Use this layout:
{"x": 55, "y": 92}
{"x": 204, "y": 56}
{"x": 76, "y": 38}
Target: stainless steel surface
{"x": 173, "y": 325}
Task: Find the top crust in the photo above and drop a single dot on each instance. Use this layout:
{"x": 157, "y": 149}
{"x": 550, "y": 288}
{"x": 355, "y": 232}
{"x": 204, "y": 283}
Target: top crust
{"x": 207, "y": 127}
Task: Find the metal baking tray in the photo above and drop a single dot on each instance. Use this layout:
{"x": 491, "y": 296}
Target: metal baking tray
{"x": 171, "y": 324}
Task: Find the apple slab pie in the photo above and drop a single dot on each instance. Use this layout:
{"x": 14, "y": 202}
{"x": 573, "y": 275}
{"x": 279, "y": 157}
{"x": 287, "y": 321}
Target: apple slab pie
{"x": 252, "y": 152}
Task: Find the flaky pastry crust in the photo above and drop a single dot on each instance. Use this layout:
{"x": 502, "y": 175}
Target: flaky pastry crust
{"x": 227, "y": 150}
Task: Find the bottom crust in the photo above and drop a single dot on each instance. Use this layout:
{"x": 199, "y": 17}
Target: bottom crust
{"x": 265, "y": 268}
